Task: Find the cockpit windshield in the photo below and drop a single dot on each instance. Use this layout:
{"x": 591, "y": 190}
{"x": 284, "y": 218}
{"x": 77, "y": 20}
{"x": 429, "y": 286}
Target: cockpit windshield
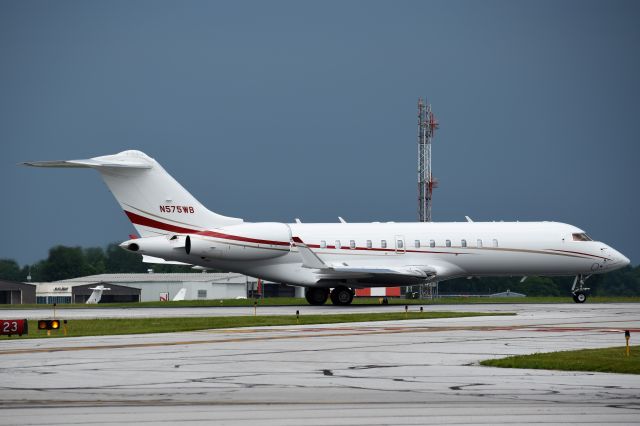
{"x": 581, "y": 237}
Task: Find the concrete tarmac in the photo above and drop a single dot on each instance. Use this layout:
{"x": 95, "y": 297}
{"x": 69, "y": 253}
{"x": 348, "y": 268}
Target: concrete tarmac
{"x": 401, "y": 372}
{"x": 524, "y": 310}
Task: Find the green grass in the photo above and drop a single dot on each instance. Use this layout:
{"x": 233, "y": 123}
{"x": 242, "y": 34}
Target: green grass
{"x": 488, "y": 300}
{"x": 608, "y": 360}
{"x": 291, "y": 301}
{"x": 102, "y": 327}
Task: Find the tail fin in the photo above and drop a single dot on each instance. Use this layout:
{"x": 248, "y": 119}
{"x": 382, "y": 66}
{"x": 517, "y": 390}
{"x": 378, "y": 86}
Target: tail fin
{"x": 154, "y": 201}
{"x": 96, "y": 294}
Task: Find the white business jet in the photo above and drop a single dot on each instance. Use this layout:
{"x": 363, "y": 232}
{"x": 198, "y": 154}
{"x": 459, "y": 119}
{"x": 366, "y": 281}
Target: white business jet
{"x": 333, "y": 259}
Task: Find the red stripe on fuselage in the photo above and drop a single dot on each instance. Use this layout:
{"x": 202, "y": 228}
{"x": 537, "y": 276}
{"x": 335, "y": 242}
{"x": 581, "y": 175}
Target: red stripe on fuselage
{"x": 245, "y": 239}
{"x": 145, "y": 221}
{"x": 152, "y": 223}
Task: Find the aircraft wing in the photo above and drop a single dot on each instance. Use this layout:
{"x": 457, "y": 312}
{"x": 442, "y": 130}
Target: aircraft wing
{"x": 398, "y": 275}
{"x": 366, "y": 275}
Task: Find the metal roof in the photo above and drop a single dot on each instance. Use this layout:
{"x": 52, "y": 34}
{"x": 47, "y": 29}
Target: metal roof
{"x": 156, "y": 277}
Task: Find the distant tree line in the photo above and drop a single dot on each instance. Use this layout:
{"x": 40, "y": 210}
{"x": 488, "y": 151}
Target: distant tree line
{"x": 71, "y": 262}
{"x": 623, "y": 282}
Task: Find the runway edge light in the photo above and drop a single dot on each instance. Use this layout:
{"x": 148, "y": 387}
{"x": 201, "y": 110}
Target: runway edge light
{"x": 627, "y": 336}
{"x": 50, "y": 324}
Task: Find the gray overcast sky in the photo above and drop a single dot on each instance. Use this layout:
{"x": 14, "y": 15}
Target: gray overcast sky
{"x": 276, "y": 110}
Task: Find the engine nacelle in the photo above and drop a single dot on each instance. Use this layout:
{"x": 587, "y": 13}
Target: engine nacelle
{"x": 250, "y": 241}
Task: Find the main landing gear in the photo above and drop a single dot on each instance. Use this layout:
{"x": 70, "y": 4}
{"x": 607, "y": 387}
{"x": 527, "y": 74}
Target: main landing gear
{"x": 340, "y": 295}
{"x": 578, "y": 290}
{"x": 316, "y": 295}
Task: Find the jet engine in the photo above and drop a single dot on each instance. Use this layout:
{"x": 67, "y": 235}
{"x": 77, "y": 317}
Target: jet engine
{"x": 251, "y": 241}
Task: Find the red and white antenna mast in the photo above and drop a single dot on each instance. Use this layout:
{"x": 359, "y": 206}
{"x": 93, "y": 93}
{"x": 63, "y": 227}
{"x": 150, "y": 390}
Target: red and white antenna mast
{"x": 427, "y": 125}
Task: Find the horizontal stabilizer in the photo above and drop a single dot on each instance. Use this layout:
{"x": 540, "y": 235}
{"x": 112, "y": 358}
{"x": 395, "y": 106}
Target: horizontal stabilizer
{"x": 161, "y": 261}
{"x": 129, "y": 163}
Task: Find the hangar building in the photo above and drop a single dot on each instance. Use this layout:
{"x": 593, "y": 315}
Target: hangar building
{"x": 15, "y": 293}
{"x": 148, "y": 287}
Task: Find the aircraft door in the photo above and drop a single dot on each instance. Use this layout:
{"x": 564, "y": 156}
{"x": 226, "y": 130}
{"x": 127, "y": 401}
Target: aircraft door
{"x": 400, "y": 244}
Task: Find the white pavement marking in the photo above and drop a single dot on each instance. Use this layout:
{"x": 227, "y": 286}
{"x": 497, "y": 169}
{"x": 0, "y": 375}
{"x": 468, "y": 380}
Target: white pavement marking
{"x": 397, "y": 372}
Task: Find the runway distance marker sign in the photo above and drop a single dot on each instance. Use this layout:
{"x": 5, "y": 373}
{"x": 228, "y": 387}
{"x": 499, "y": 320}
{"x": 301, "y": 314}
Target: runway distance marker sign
{"x": 10, "y": 327}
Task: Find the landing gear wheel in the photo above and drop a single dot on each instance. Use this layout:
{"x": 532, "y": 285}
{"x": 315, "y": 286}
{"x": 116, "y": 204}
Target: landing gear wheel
{"x": 578, "y": 290}
{"x": 341, "y": 296}
{"x": 316, "y": 295}
{"x": 580, "y": 297}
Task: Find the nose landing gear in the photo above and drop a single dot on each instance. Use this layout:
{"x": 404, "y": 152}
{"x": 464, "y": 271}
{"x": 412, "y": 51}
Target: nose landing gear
{"x": 578, "y": 290}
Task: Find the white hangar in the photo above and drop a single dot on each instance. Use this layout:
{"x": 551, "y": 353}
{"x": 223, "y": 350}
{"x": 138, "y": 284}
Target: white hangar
{"x": 159, "y": 286}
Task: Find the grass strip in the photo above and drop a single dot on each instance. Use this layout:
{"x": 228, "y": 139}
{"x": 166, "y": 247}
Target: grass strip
{"x": 607, "y": 360}
{"x": 103, "y": 327}
{"x": 292, "y": 301}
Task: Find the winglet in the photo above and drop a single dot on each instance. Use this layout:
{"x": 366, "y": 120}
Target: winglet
{"x": 309, "y": 258}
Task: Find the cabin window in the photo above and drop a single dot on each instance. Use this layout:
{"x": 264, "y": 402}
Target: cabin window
{"x": 399, "y": 244}
{"x": 352, "y": 244}
{"x": 581, "y": 237}
{"x": 447, "y": 243}
{"x": 369, "y": 244}
{"x": 479, "y": 243}
{"x": 338, "y": 245}
{"x": 417, "y": 244}
{"x": 323, "y": 244}
{"x": 432, "y": 243}
{"x": 463, "y": 243}
{"x": 495, "y": 242}
{"x": 383, "y": 243}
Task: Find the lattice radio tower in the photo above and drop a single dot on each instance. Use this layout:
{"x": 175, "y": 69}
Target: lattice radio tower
{"x": 427, "y": 125}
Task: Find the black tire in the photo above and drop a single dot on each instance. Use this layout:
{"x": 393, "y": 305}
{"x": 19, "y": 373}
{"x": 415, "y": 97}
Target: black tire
{"x": 341, "y": 296}
{"x": 316, "y": 296}
{"x": 580, "y": 297}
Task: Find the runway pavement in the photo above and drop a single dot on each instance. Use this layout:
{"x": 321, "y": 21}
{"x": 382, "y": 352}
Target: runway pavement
{"x": 401, "y": 372}
{"x": 525, "y": 310}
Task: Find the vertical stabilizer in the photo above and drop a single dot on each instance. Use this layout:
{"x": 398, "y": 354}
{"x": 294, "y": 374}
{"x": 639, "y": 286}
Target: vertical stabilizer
{"x": 96, "y": 294}
{"x": 151, "y": 198}
{"x": 180, "y": 295}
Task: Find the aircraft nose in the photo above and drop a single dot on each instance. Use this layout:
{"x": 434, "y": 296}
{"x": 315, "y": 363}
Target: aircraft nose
{"x": 624, "y": 261}
{"x": 619, "y": 259}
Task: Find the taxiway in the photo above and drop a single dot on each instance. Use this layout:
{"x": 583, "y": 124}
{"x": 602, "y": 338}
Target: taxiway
{"x": 401, "y": 372}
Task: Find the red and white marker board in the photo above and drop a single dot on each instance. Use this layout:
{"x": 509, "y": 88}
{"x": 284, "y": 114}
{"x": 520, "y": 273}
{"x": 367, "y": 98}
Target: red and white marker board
{"x": 378, "y": 292}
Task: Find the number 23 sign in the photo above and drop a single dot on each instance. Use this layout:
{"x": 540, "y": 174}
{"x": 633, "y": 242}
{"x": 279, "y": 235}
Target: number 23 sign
{"x": 13, "y": 326}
